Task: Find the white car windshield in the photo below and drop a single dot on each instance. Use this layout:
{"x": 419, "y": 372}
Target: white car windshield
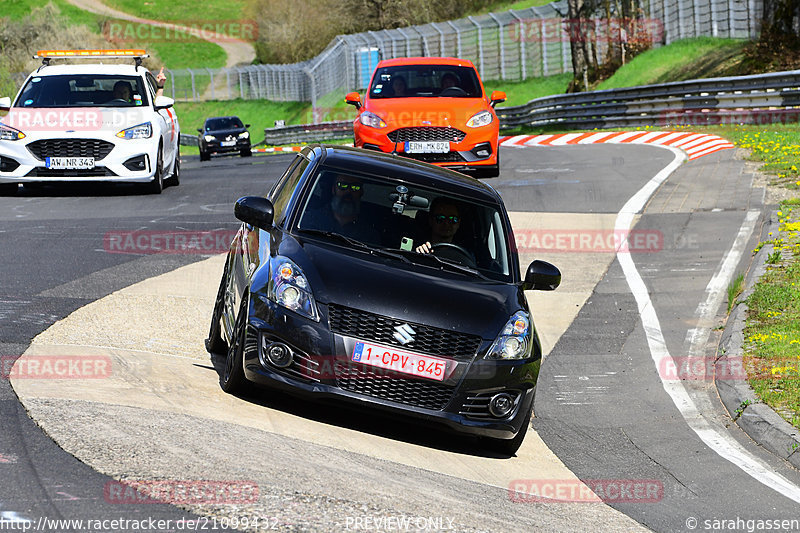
{"x": 387, "y": 214}
{"x": 83, "y": 90}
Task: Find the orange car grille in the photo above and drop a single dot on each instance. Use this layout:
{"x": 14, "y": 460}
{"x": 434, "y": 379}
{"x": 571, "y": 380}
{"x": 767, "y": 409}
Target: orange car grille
{"x": 426, "y": 133}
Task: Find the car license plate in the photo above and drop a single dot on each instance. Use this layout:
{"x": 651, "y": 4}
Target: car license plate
{"x": 427, "y": 147}
{"x": 69, "y": 162}
{"x": 415, "y": 364}
{"x": 228, "y": 143}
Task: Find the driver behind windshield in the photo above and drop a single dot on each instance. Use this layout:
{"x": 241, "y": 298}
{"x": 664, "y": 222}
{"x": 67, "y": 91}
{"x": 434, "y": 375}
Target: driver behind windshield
{"x": 122, "y": 91}
{"x": 443, "y": 222}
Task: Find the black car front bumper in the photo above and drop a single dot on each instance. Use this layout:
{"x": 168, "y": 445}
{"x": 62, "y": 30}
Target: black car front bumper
{"x": 321, "y": 368}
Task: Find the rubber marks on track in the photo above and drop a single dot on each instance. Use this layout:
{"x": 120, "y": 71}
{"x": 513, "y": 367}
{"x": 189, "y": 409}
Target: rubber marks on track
{"x": 694, "y": 144}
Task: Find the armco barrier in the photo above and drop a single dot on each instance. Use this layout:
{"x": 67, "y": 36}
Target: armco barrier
{"x": 758, "y": 99}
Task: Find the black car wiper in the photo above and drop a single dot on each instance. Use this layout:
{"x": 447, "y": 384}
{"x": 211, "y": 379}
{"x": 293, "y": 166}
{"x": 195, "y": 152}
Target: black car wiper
{"x": 355, "y": 243}
{"x": 438, "y": 261}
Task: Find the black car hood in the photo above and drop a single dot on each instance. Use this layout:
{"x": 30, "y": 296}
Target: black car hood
{"x": 404, "y": 291}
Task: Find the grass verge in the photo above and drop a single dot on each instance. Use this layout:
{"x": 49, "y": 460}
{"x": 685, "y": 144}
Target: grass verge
{"x": 710, "y": 57}
{"x": 772, "y": 332}
{"x": 183, "y": 12}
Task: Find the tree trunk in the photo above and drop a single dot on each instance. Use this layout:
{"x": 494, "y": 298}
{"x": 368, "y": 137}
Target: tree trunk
{"x": 781, "y": 20}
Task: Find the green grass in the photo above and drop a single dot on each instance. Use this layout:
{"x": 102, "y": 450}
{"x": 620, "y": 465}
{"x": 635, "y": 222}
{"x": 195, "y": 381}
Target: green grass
{"x": 18, "y": 9}
{"x": 682, "y": 60}
{"x": 522, "y": 92}
{"x": 260, "y": 114}
{"x": 183, "y": 53}
{"x": 772, "y": 332}
{"x": 185, "y": 12}
{"x": 734, "y": 290}
{"x": 497, "y": 7}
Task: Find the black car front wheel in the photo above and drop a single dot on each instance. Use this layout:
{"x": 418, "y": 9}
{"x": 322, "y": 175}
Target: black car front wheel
{"x": 215, "y": 343}
{"x": 510, "y": 446}
{"x": 233, "y": 379}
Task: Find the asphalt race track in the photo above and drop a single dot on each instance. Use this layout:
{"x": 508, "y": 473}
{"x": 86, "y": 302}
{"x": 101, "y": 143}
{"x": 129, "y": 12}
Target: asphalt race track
{"x": 75, "y": 283}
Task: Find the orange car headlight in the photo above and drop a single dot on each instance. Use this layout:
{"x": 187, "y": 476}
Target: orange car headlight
{"x": 481, "y": 118}
{"x": 372, "y": 120}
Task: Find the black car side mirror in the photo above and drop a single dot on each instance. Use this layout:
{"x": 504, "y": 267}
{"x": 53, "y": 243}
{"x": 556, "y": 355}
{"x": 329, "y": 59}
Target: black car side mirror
{"x": 199, "y": 130}
{"x": 247, "y": 125}
{"x": 541, "y": 276}
{"x": 254, "y": 210}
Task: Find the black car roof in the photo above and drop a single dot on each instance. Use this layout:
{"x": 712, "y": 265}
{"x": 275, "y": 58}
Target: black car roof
{"x": 376, "y": 163}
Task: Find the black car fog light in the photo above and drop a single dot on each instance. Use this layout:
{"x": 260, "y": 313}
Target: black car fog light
{"x": 501, "y": 405}
{"x": 279, "y": 354}
{"x": 137, "y": 163}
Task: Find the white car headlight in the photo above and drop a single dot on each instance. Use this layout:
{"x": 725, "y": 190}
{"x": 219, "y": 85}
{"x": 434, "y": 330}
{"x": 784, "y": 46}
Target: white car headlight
{"x": 372, "y": 120}
{"x": 289, "y": 288}
{"x": 209, "y": 138}
{"x": 482, "y": 118}
{"x": 244, "y": 135}
{"x": 514, "y": 342}
{"x": 7, "y": 133}
{"x": 140, "y": 131}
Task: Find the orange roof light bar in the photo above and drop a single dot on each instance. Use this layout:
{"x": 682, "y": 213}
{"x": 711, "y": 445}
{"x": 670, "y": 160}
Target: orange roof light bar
{"x": 89, "y": 53}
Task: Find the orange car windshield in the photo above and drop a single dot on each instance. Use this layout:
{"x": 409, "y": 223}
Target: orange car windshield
{"x": 425, "y": 81}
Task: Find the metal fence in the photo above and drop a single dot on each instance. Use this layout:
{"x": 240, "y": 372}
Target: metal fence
{"x": 512, "y": 45}
{"x": 758, "y": 99}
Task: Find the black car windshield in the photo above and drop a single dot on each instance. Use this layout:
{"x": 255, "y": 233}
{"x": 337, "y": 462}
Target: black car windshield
{"x": 223, "y": 123}
{"x": 389, "y": 215}
{"x": 83, "y": 90}
{"x": 417, "y": 81}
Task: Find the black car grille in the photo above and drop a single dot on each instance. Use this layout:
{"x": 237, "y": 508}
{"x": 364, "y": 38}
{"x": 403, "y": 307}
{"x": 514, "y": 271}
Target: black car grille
{"x": 426, "y": 133}
{"x": 381, "y": 329}
{"x": 409, "y": 390}
{"x": 450, "y": 157}
{"x": 70, "y": 148}
{"x": 41, "y": 172}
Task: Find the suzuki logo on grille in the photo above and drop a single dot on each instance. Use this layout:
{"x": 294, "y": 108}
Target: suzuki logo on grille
{"x": 404, "y": 334}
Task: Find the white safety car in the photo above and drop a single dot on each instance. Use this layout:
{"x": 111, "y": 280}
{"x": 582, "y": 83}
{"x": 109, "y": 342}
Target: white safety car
{"x": 98, "y": 122}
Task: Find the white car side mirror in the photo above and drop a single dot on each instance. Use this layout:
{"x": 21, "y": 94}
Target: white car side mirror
{"x": 5, "y": 103}
{"x": 163, "y": 102}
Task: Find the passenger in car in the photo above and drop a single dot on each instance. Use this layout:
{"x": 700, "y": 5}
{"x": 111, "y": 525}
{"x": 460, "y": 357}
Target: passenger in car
{"x": 343, "y": 212}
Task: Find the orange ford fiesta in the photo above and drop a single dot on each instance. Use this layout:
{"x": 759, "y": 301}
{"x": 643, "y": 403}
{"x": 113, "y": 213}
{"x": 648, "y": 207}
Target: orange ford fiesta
{"x": 433, "y": 109}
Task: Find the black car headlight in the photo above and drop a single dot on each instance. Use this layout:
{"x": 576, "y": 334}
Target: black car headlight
{"x": 514, "y": 341}
{"x": 289, "y": 288}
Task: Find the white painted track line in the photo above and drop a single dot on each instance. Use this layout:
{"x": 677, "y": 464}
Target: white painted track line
{"x": 724, "y": 445}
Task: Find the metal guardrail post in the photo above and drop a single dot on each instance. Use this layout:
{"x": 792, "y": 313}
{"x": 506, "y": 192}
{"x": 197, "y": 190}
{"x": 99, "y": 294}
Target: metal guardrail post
{"x": 458, "y": 36}
{"x": 502, "y": 46}
{"x": 194, "y": 91}
{"x": 521, "y": 37}
{"x": 480, "y": 42}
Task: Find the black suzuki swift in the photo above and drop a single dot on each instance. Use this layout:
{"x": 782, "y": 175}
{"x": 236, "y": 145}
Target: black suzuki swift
{"x": 387, "y": 282}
